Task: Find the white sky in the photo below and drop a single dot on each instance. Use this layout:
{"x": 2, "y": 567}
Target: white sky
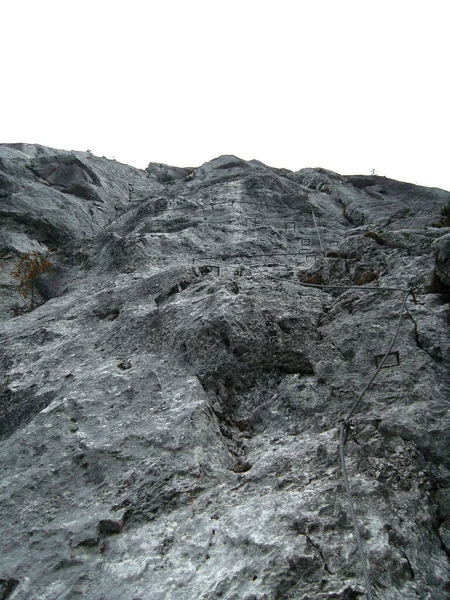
{"x": 348, "y": 85}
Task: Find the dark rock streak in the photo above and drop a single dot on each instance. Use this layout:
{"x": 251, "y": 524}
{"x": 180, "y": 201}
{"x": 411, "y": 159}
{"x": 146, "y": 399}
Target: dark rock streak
{"x": 169, "y": 414}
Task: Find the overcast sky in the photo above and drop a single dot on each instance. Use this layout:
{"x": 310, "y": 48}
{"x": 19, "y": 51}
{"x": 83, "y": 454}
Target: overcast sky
{"x": 348, "y": 85}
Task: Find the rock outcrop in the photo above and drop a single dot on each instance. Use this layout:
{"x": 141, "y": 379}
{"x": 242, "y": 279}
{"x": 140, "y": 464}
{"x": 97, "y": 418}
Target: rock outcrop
{"x": 170, "y": 412}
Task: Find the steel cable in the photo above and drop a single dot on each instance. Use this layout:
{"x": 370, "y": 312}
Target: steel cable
{"x": 345, "y": 427}
{"x": 380, "y": 366}
{"x": 362, "y": 553}
{"x": 342, "y": 439}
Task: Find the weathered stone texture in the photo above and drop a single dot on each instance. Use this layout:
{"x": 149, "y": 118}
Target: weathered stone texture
{"x": 169, "y": 415}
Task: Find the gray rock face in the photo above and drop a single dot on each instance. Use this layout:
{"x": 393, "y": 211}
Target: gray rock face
{"x": 442, "y": 245}
{"x": 170, "y": 413}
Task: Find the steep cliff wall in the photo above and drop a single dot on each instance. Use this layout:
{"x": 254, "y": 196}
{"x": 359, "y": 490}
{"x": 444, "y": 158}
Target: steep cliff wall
{"x": 170, "y": 414}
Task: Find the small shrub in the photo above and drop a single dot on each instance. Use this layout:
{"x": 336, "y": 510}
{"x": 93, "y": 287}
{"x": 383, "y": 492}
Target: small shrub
{"x": 445, "y": 217}
{"x": 374, "y": 236}
{"x": 31, "y": 266}
{"x": 437, "y": 287}
{"x": 18, "y": 309}
{"x": 311, "y": 278}
{"x": 365, "y": 278}
{"x": 241, "y": 467}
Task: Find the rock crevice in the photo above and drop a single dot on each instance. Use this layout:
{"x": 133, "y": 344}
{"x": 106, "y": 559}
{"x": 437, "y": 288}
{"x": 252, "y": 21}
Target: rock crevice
{"x": 169, "y": 415}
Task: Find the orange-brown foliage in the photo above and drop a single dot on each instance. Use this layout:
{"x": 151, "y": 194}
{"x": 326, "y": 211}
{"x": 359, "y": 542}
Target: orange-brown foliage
{"x": 30, "y": 267}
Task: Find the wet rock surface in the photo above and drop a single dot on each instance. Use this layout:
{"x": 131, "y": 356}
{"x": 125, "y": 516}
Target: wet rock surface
{"x": 169, "y": 415}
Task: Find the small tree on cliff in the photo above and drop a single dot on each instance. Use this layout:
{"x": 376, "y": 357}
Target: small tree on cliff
{"x": 31, "y": 266}
{"x": 445, "y": 215}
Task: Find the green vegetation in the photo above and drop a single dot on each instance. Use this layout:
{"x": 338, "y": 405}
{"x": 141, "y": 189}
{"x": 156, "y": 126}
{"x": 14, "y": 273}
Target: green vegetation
{"x": 325, "y": 188}
{"x": 445, "y": 217}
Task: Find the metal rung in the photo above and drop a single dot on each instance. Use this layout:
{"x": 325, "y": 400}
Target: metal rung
{"x": 213, "y": 267}
{"x": 393, "y": 355}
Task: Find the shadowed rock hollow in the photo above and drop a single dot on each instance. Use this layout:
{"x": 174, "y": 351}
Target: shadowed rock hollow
{"x": 170, "y": 413}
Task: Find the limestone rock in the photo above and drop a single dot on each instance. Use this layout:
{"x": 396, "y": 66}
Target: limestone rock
{"x": 170, "y": 414}
{"x": 443, "y": 259}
